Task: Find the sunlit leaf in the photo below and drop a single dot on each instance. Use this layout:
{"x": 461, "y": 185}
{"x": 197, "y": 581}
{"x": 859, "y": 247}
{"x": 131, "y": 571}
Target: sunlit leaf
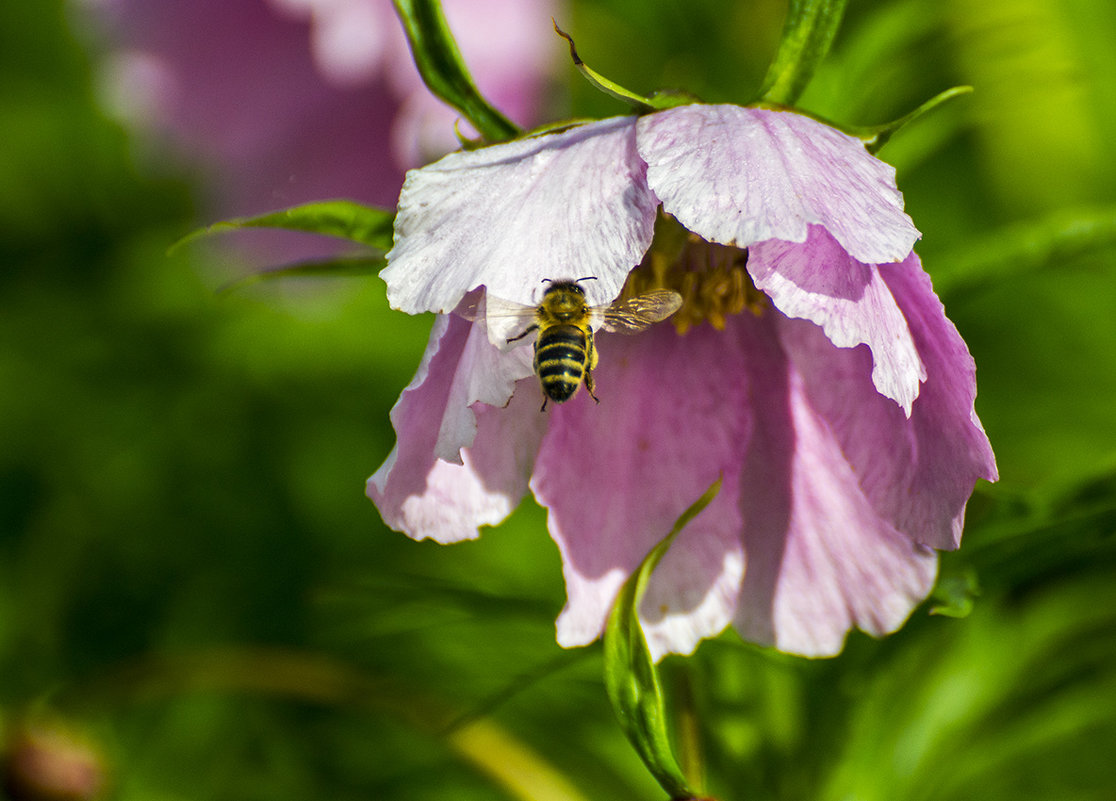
{"x": 343, "y": 219}
{"x": 876, "y": 136}
{"x": 640, "y": 103}
{"x": 630, "y": 676}
{"x": 326, "y": 268}
{"x": 954, "y": 596}
{"x": 444, "y": 71}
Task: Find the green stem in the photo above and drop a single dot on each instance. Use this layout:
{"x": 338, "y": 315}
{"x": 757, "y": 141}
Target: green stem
{"x": 442, "y": 68}
{"x": 808, "y": 32}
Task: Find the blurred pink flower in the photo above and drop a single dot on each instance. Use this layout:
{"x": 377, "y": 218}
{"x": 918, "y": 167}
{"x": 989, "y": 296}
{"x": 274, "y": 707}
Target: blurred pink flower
{"x": 819, "y": 375}
{"x": 289, "y": 101}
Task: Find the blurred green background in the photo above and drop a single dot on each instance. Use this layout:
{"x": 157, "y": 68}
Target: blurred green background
{"x": 197, "y": 601}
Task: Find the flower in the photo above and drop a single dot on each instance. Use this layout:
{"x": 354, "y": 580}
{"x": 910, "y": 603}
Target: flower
{"x": 288, "y": 101}
{"x": 817, "y": 373}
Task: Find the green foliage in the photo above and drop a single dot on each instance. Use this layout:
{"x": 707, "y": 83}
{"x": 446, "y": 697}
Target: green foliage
{"x": 639, "y": 103}
{"x": 630, "y": 677}
{"x": 191, "y": 578}
{"x": 440, "y": 63}
{"x": 1013, "y": 252}
{"x": 345, "y": 219}
{"x": 876, "y": 136}
{"x": 808, "y": 32}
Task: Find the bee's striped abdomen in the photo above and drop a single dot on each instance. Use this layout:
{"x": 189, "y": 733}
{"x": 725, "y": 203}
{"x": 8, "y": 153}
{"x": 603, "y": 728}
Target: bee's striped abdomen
{"x": 561, "y": 354}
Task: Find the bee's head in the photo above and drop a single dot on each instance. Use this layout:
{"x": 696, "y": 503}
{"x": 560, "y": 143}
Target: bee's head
{"x": 567, "y": 285}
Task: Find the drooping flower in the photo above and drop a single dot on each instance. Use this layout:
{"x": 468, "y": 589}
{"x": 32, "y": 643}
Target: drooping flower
{"x": 811, "y": 365}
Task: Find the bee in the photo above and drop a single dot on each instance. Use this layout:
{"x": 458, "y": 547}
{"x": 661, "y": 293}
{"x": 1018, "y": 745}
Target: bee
{"x": 565, "y": 353}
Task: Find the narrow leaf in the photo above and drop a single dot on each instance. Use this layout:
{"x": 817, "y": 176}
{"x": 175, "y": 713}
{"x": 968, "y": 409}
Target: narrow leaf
{"x": 630, "y": 676}
{"x": 326, "y": 268}
{"x": 442, "y": 68}
{"x": 344, "y": 219}
{"x": 876, "y": 136}
{"x": 808, "y": 32}
{"x": 1026, "y": 247}
{"x": 640, "y": 103}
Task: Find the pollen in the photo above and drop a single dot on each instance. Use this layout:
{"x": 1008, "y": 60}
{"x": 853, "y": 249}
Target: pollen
{"x": 712, "y": 279}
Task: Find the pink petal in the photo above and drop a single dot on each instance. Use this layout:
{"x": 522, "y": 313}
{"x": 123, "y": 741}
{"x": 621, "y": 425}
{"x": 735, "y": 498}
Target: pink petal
{"x": 820, "y": 559}
{"x": 433, "y": 484}
{"x": 693, "y": 592}
{"x": 506, "y": 217}
{"x": 953, "y": 450}
{"x": 211, "y": 99}
{"x": 352, "y": 40}
{"x": 738, "y": 176}
{"x": 819, "y": 282}
{"x": 615, "y": 476}
{"x": 917, "y": 472}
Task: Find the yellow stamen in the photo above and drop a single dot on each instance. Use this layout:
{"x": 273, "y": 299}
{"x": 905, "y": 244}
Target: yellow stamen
{"x": 712, "y": 279}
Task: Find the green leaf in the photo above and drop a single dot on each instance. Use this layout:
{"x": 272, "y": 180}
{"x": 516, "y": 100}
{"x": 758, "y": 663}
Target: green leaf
{"x": 1027, "y": 247}
{"x": 808, "y": 32}
{"x": 641, "y": 103}
{"x": 876, "y": 136}
{"x": 326, "y": 268}
{"x": 344, "y": 219}
{"x": 955, "y": 595}
{"x": 442, "y": 68}
{"x": 630, "y": 676}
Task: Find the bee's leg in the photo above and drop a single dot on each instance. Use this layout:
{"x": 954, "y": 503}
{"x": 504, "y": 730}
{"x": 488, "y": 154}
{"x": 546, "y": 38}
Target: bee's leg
{"x": 590, "y": 364}
{"x": 526, "y": 331}
{"x": 543, "y": 407}
{"x": 589, "y": 385}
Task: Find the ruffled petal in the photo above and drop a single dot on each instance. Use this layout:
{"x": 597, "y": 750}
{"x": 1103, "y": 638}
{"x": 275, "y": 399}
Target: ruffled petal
{"x": 693, "y": 592}
{"x": 506, "y": 217}
{"x": 820, "y": 559}
{"x": 953, "y": 450}
{"x": 820, "y": 282}
{"x": 615, "y": 476}
{"x": 737, "y": 176}
{"x": 918, "y": 473}
{"x": 432, "y": 484}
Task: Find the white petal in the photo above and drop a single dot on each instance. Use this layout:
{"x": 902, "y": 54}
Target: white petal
{"x": 450, "y": 502}
{"x": 738, "y": 175}
{"x": 427, "y": 487}
{"x": 693, "y": 592}
{"x": 562, "y": 206}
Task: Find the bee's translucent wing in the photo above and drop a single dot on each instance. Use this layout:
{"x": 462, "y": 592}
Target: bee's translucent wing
{"x": 508, "y": 309}
{"x": 505, "y": 320}
{"x": 476, "y": 305}
{"x": 508, "y": 322}
{"x": 472, "y": 305}
{"x": 635, "y": 314}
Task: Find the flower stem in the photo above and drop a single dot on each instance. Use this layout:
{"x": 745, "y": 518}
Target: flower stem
{"x": 442, "y": 68}
{"x": 808, "y": 32}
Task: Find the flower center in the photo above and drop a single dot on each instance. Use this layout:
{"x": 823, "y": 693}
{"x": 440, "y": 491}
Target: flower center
{"x": 712, "y": 279}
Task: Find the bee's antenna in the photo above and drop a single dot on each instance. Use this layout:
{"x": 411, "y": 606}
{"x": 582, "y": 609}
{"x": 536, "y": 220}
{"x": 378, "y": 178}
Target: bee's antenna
{"x": 586, "y": 278}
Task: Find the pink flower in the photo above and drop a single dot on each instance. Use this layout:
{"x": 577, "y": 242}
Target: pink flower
{"x": 818, "y": 374}
{"x": 290, "y": 101}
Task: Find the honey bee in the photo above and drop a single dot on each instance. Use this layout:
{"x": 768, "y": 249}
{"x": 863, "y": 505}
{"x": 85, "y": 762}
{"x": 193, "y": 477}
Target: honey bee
{"x": 565, "y": 353}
